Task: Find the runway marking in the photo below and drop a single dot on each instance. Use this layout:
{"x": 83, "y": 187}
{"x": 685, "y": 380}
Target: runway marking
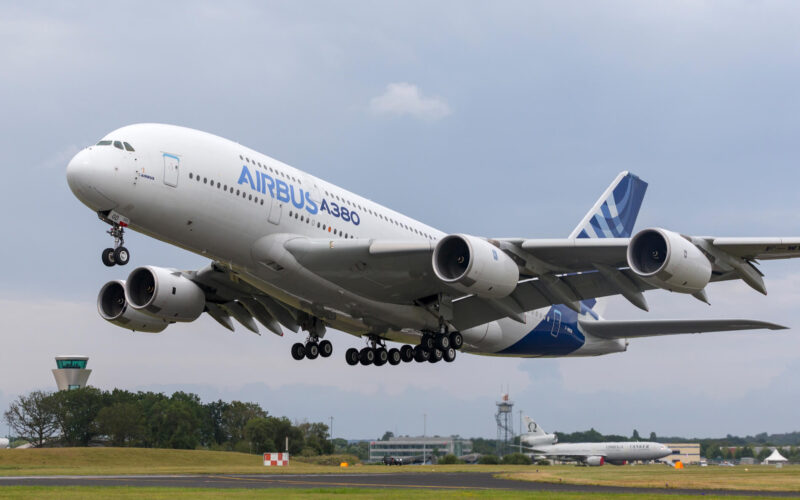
{"x": 351, "y": 484}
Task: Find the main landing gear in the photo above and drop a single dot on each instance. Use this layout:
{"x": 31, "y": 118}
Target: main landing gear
{"x": 118, "y": 255}
{"x": 312, "y": 349}
{"x": 432, "y": 348}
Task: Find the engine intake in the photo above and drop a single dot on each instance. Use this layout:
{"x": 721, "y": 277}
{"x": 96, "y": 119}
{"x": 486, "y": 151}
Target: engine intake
{"x": 473, "y": 265}
{"x": 667, "y": 260}
{"x": 113, "y": 307}
{"x": 164, "y": 293}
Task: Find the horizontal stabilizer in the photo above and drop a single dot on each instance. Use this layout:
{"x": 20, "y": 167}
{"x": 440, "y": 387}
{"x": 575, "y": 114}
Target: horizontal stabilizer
{"x": 651, "y": 328}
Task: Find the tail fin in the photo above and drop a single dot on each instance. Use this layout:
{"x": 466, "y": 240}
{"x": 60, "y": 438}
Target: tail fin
{"x": 612, "y": 216}
{"x": 532, "y": 428}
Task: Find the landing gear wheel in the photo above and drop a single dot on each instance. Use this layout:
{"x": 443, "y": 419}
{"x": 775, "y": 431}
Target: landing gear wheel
{"x": 449, "y": 355}
{"x": 394, "y": 357}
{"x": 366, "y": 356}
{"x": 436, "y": 356}
{"x": 298, "y": 351}
{"x": 442, "y": 342}
{"x": 427, "y": 342}
{"x": 108, "y": 257}
{"x": 381, "y": 356}
{"x": 456, "y": 340}
{"x": 312, "y": 350}
{"x": 121, "y": 256}
{"x": 421, "y": 354}
{"x": 325, "y": 348}
{"x": 407, "y": 353}
{"x": 351, "y": 356}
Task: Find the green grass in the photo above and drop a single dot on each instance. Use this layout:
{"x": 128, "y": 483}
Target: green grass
{"x": 79, "y": 492}
{"x": 752, "y": 477}
{"x": 114, "y": 461}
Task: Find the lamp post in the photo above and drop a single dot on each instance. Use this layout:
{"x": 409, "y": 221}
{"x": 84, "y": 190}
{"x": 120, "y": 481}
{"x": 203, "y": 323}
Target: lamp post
{"x": 424, "y": 432}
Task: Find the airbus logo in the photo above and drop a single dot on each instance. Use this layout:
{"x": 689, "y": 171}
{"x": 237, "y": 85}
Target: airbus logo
{"x": 301, "y": 199}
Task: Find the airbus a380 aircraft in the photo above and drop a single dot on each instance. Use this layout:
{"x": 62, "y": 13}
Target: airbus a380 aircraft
{"x": 543, "y": 445}
{"x": 290, "y": 250}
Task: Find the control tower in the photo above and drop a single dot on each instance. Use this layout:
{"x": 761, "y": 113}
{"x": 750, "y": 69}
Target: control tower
{"x": 503, "y": 418}
{"x": 71, "y": 372}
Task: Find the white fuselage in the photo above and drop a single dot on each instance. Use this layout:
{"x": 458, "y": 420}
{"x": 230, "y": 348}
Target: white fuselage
{"x": 610, "y": 451}
{"x": 229, "y": 203}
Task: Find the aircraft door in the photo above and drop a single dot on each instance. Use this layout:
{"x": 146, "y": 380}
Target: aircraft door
{"x": 171, "y": 169}
{"x": 275, "y": 209}
{"x": 556, "y": 325}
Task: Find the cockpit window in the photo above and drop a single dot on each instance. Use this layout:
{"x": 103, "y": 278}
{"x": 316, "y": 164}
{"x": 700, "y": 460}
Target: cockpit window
{"x": 128, "y": 147}
{"x": 104, "y": 143}
{"x": 118, "y": 144}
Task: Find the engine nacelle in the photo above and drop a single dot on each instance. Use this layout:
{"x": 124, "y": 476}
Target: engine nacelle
{"x": 113, "y": 307}
{"x": 540, "y": 440}
{"x": 473, "y": 265}
{"x": 594, "y": 461}
{"x": 165, "y": 294}
{"x": 668, "y": 260}
{"x": 617, "y": 462}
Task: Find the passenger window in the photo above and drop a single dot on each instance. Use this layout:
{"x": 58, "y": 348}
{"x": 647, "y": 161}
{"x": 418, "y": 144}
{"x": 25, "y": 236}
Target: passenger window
{"x": 118, "y": 145}
{"x": 128, "y": 147}
{"x": 104, "y": 143}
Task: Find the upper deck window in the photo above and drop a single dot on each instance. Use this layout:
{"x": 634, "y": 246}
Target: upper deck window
{"x": 104, "y": 143}
{"x": 128, "y": 147}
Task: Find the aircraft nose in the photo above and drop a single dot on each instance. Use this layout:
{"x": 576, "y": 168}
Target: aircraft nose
{"x": 83, "y": 176}
{"x": 77, "y": 170}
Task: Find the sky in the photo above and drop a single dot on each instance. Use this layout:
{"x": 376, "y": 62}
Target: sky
{"x": 497, "y": 119}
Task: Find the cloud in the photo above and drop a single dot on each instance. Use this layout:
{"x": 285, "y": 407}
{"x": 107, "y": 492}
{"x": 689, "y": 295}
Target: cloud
{"x": 406, "y": 99}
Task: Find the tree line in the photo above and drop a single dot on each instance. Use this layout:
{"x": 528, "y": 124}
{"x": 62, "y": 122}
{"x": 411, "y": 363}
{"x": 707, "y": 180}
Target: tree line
{"x": 87, "y": 416}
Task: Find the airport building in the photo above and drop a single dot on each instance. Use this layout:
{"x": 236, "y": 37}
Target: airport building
{"x": 687, "y": 453}
{"x": 71, "y": 372}
{"x": 408, "y": 447}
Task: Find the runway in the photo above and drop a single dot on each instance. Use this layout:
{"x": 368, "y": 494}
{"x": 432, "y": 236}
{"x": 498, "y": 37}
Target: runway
{"x": 433, "y": 481}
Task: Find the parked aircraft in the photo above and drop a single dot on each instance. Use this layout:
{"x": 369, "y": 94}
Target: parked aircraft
{"x": 543, "y": 445}
{"x": 291, "y": 251}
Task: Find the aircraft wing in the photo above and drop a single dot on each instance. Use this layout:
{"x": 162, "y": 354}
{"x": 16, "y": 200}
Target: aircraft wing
{"x": 552, "y": 271}
{"x": 653, "y": 328}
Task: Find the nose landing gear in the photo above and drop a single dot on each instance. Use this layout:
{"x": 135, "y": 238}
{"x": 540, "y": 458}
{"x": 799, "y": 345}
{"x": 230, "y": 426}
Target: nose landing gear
{"x": 119, "y": 255}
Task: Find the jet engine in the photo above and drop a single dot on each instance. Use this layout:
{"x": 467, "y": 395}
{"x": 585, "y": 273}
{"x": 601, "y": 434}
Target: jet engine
{"x": 595, "y": 460}
{"x": 473, "y": 265}
{"x": 617, "y": 462}
{"x": 114, "y": 308}
{"x": 668, "y": 260}
{"x": 164, "y": 293}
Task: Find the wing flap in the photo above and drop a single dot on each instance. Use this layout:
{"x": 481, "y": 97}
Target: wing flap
{"x": 652, "y": 328}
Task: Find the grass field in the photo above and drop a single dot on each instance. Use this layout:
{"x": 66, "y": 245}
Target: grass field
{"x": 119, "y": 461}
{"x": 90, "y": 493}
{"x": 114, "y": 461}
{"x": 753, "y": 477}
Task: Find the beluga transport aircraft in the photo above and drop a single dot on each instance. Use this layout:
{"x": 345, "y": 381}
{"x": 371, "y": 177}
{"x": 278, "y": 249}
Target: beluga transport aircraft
{"x": 543, "y": 445}
{"x": 291, "y": 251}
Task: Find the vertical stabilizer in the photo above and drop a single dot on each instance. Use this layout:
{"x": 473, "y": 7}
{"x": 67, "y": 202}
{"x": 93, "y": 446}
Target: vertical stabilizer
{"x": 532, "y": 427}
{"x": 614, "y": 214}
